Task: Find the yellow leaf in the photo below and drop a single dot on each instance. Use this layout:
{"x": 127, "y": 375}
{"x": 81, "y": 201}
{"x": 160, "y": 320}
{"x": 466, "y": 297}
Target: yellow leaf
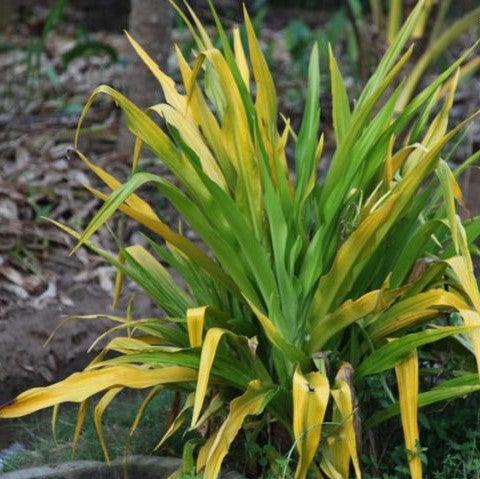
{"x": 394, "y": 20}
{"x": 209, "y": 349}
{"x": 127, "y": 345}
{"x": 462, "y": 268}
{"x": 81, "y": 413}
{"x": 236, "y": 132}
{"x": 193, "y": 138}
{"x": 137, "y": 149}
{"x": 266, "y": 99}
{"x": 401, "y": 156}
{"x": 265, "y": 103}
{"x": 407, "y": 380}
{"x": 201, "y": 29}
{"x": 82, "y": 410}
{"x": 133, "y": 201}
{"x": 149, "y": 263}
{"x": 437, "y": 128}
{"x": 310, "y": 399}
{"x": 204, "y": 452}
{"x": 206, "y": 120}
{"x": 240, "y": 57}
{"x": 174, "y": 98}
{"x": 466, "y": 69}
{"x": 451, "y": 192}
{"x": 413, "y": 310}
{"x": 350, "y": 311}
{"x": 80, "y": 386}
{"x": 472, "y": 318}
{"x": 119, "y": 280}
{"x": 327, "y": 467}
{"x": 100, "y": 408}
{"x": 419, "y": 29}
{"x": 252, "y": 402}
{"x": 344, "y": 447}
{"x": 195, "y": 323}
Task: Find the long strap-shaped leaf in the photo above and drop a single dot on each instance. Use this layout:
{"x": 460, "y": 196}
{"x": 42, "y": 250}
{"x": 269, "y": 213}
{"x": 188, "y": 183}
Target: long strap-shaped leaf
{"x": 392, "y": 53}
{"x": 463, "y": 271}
{"x": 226, "y": 369}
{"x": 350, "y": 311}
{"x": 394, "y": 19}
{"x": 310, "y": 399}
{"x": 340, "y": 104}
{"x": 345, "y": 164}
{"x": 472, "y": 318}
{"x": 236, "y": 122}
{"x": 174, "y": 98}
{"x": 391, "y": 353}
{"x": 205, "y": 118}
{"x": 407, "y": 380}
{"x": 174, "y": 299}
{"x": 266, "y": 97}
{"x": 306, "y": 148}
{"x": 100, "y": 408}
{"x": 195, "y": 324}
{"x": 344, "y": 447}
{"x": 191, "y": 135}
{"x": 80, "y": 420}
{"x": 455, "y": 388}
{"x": 143, "y": 127}
{"x": 252, "y": 402}
{"x": 80, "y": 386}
{"x": 411, "y": 310}
{"x": 209, "y": 349}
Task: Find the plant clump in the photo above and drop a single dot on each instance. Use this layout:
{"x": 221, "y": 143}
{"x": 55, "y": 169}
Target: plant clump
{"x": 305, "y": 287}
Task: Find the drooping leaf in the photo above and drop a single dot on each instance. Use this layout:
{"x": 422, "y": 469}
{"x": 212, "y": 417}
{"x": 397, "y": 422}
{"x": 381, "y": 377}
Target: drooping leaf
{"x": 344, "y": 447}
{"x": 310, "y": 399}
{"x": 80, "y": 386}
{"x": 407, "y": 380}
{"x": 252, "y": 402}
{"x": 100, "y": 408}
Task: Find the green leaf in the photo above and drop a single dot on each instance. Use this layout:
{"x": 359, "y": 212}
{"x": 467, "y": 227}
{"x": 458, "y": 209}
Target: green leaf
{"x": 340, "y": 103}
{"x": 391, "y": 353}
{"x": 453, "y": 389}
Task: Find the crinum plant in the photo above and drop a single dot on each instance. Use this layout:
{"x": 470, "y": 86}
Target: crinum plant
{"x": 305, "y": 286}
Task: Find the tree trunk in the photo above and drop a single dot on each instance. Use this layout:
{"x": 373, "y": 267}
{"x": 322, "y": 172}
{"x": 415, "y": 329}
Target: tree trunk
{"x": 150, "y": 23}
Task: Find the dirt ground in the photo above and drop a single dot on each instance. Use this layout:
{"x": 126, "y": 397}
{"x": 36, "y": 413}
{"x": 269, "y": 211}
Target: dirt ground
{"x": 40, "y": 283}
